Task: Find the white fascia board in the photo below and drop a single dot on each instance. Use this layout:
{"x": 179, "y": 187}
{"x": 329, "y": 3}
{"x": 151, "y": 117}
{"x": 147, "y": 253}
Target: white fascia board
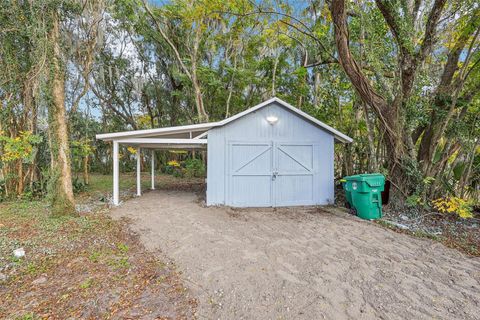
{"x": 250, "y": 110}
{"x": 146, "y": 141}
{"x": 338, "y": 135}
{"x": 136, "y": 133}
{"x": 206, "y": 126}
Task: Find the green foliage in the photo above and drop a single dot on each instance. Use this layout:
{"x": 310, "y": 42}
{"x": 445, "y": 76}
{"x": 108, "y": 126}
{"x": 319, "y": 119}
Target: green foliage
{"x": 123, "y": 248}
{"x": 35, "y": 190}
{"x": 28, "y": 316}
{"x": 87, "y": 283}
{"x": 78, "y": 186}
{"x": 174, "y": 168}
{"x": 2, "y": 190}
{"x": 21, "y": 147}
{"x": 190, "y": 168}
{"x": 79, "y": 150}
{"x": 242, "y": 52}
{"x": 119, "y": 263}
{"x": 414, "y": 201}
{"x": 459, "y": 206}
{"x": 194, "y": 168}
{"x": 94, "y": 256}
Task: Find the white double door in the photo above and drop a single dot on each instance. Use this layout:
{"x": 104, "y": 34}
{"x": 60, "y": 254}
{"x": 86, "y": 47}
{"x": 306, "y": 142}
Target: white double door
{"x": 270, "y": 174}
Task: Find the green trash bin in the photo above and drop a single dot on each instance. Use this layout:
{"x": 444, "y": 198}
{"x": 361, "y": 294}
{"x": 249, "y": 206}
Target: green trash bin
{"x": 364, "y": 194}
{"x": 347, "y": 186}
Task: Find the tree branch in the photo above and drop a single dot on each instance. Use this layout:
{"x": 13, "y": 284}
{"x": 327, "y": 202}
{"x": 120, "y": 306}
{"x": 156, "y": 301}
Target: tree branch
{"x": 430, "y": 30}
{"x": 167, "y": 39}
{"x": 353, "y": 71}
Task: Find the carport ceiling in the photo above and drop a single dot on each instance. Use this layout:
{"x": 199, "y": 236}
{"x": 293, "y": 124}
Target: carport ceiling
{"x": 162, "y": 143}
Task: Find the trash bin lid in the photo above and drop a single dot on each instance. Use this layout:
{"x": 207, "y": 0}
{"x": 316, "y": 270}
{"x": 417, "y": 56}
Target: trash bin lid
{"x": 372, "y": 179}
{"x": 353, "y": 178}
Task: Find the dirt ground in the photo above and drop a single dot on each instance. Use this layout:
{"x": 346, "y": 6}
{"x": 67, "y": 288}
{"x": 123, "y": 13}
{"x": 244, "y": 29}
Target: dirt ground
{"x": 82, "y": 267}
{"x": 302, "y": 263}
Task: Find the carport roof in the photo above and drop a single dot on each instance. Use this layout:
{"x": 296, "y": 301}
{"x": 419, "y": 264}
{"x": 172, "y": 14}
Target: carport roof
{"x": 173, "y": 135}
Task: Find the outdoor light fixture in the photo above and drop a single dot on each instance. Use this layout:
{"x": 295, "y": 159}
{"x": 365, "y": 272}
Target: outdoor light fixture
{"x": 272, "y": 119}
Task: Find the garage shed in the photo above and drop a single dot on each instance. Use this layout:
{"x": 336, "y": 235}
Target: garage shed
{"x": 270, "y": 155}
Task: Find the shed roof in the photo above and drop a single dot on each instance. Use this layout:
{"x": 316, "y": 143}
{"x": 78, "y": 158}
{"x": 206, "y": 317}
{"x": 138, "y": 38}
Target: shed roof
{"x": 198, "y": 131}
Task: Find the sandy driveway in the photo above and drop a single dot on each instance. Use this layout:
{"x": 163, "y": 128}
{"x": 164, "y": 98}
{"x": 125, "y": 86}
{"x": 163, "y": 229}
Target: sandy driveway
{"x": 303, "y": 263}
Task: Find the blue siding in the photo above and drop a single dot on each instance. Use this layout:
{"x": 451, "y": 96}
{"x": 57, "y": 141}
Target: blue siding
{"x": 312, "y": 149}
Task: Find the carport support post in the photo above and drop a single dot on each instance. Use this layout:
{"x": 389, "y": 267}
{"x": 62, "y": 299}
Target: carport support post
{"x": 115, "y": 173}
{"x": 153, "y": 169}
{"x": 139, "y": 186}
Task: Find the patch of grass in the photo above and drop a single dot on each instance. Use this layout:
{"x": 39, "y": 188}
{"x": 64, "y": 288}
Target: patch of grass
{"x": 423, "y": 234}
{"x": 38, "y": 266}
{"x": 123, "y": 248}
{"x": 95, "y": 256}
{"x": 119, "y": 263}
{"x": 15, "y": 260}
{"x": 28, "y": 316}
{"x": 104, "y": 183}
{"x": 102, "y": 254}
{"x": 87, "y": 283}
{"x": 101, "y": 185}
{"x": 32, "y": 268}
{"x": 386, "y": 224}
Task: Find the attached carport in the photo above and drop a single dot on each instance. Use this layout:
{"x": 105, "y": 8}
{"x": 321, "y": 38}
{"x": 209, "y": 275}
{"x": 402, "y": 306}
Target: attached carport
{"x": 189, "y": 137}
{"x": 269, "y": 155}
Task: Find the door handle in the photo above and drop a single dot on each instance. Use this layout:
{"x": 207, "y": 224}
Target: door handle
{"x": 274, "y": 174}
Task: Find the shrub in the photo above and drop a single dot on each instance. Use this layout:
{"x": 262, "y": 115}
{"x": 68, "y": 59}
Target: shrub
{"x": 178, "y": 172}
{"x": 173, "y": 163}
{"x": 36, "y": 190}
{"x": 78, "y": 186}
{"x": 459, "y": 206}
{"x": 194, "y": 168}
{"x": 173, "y": 167}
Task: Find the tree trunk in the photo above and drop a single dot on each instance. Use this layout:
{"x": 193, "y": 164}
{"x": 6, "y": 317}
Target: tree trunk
{"x": 387, "y": 113}
{"x": 305, "y": 78}
{"x": 86, "y": 178}
{"x": 230, "y": 87}
{"x": 372, "y": 159}
{"x": 466, "y": 177}
{"x": 60, "y": 184}
{"x": 274, "y": 76}
{"x": 202, "y": 114}
{"x": 19, "y": 177}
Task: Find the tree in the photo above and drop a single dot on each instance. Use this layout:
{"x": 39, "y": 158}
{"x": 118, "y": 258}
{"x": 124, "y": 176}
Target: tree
{"x": 187, "y": 11}
{"x": 400, "y": 77}
{"x": 60, "y": 184}
{"x": 411, "y": 58}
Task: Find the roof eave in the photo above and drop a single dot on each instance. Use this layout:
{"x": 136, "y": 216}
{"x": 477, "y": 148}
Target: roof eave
{"x": 209, "y": 125}
{"x": 159, "y": 131}
{"x": 345, "y": 139}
